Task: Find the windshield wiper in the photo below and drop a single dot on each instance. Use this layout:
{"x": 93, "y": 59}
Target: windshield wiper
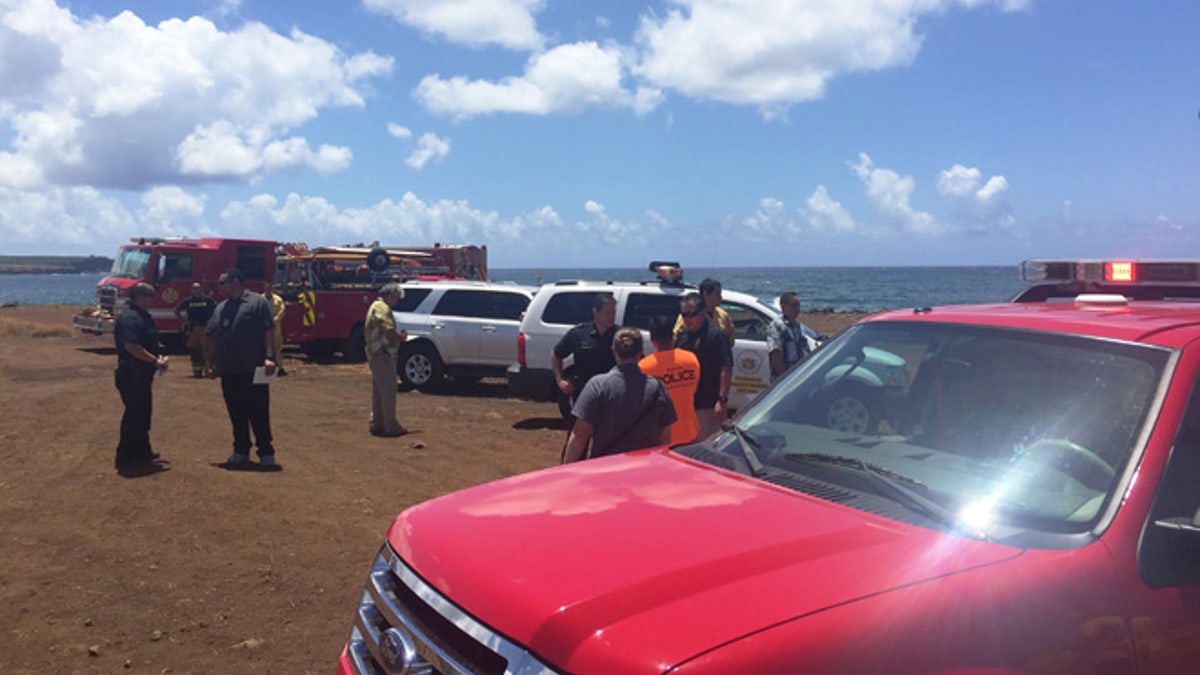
{"x": 748, "y": 444}
{"x": 893, "y": 484}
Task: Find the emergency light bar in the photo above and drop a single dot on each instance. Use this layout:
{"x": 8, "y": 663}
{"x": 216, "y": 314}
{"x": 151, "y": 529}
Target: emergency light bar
{"x": 1174, "y": 272}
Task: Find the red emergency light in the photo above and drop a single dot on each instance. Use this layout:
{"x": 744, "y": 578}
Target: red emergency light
{"x": 1122, "y": 271}
{"x": 1139, "y": 272}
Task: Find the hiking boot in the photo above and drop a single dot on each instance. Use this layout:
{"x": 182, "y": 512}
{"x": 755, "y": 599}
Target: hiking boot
{"x": 238, "y": 458}
{"x": 269, "y": 460}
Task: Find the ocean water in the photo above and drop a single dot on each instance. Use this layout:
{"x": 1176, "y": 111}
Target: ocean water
{"x": 867, "y": 289}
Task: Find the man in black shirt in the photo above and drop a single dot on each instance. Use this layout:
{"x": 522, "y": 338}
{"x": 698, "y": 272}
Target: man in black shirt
{"x": 242, "y": 339}
{"x": 708, "y": 342}
{"x": 591, "y": 346}
{"x": 136, "y": 338}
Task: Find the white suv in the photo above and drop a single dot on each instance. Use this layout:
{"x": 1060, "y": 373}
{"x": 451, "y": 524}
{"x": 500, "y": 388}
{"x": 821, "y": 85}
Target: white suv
{"x": 467, "y": 329}
{"x": 559, "y": 306}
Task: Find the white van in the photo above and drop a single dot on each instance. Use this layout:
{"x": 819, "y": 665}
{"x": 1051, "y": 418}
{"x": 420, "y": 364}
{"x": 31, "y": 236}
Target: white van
{"x": 559, "y": 306}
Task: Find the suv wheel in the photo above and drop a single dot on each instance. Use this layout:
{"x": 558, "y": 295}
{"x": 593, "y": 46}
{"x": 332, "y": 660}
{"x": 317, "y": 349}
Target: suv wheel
{"x": 419, "y": 366}
{"x": 851, "y": 408}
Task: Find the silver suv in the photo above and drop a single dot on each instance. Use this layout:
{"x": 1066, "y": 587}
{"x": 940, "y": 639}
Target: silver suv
{"x": 559, "y": 306}
{"x": 466, "y": 329}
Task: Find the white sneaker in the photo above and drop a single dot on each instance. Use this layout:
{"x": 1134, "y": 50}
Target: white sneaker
{"x": 269, "y": 460}
{"x": 237, "y": 458}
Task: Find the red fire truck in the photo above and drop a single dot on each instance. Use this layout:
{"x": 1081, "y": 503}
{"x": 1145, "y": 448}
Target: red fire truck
{"x": 328, "y": 289}
{"x": 171, "y": 265}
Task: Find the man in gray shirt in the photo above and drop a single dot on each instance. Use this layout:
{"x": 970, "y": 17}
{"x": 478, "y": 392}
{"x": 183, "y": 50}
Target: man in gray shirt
{"x": 623, "y": 409}
{"x": 242, "y": 331}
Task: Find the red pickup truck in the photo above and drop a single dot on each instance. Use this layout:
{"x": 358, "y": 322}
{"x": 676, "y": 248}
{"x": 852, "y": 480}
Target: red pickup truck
{"x": 1024, "y": 500}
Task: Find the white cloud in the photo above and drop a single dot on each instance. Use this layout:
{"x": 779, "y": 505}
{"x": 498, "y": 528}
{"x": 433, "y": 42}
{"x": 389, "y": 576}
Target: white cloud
{"x": 774, "y": 53}
{"x": 225, "y": 150}
{"x": 890, "y": 194}
{"x": 568, "y": 78}
{"x": 403, "y": 133}
{"x": 62, "y": 217}
{"x": 429, "y": 147}
{"x": 118, "y": 103}
{"x": 412, "y": 219}
{"x": 604, "y": 228}
{"x": 980, "y": 206}
{"x": 170, "y": 211}
{"x": 769, "y": 221}
{"x": 506, "y": 23}
{"x": 825, "y": 214}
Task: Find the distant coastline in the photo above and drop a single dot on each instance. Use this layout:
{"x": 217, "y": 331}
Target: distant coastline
{"x": 54, "y": 264}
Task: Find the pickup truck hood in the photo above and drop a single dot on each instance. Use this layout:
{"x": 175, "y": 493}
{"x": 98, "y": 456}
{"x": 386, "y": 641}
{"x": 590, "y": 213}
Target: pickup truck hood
{"x": 644, "y": 560}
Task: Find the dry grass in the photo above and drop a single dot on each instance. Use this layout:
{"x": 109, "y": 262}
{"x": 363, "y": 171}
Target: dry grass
{"x": 18, "y": 328}
{"x": 37, "y": 321}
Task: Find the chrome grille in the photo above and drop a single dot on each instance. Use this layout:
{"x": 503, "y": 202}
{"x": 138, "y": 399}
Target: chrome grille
{"x": 106, "y": 299}
{"x": 402, "y": 619}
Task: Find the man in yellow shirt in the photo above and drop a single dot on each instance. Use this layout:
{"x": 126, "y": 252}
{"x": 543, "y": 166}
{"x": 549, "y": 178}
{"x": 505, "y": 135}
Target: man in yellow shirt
{"x": 710, "y": 292}
{"x": 383, "y": 348}
{"x": 278, "y": 308}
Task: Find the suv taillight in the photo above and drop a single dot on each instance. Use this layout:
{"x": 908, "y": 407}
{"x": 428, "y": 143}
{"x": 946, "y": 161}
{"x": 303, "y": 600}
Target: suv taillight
{"x": 521, "y": 349}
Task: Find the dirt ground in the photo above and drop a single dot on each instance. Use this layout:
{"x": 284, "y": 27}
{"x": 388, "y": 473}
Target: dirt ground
{"x": 201, "y": 570}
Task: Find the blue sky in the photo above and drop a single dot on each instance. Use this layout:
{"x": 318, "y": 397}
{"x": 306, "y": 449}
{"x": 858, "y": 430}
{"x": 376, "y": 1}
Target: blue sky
{"x": 576, "y": 133}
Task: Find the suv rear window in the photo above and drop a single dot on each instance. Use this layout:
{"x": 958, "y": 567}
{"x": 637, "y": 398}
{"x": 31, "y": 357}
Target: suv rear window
{"x": 482, "y": 304}
{"x": 412, "y": 298}
{"x": 569, "y": 308}
{"x": 642, "y": 308}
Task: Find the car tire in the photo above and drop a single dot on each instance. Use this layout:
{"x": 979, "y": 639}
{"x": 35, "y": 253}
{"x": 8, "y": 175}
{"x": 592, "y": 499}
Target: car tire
{"x": 851, "y": 408}
{"x": 419, "y": 366}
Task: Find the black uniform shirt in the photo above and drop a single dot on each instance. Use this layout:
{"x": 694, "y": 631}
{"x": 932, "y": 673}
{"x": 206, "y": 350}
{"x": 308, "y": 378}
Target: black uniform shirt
{"x": 238, "y": 327}
{"x": 712, "y": 349}
{"x": 197, "y": 310}
{"x": 134, "y": 325}
{"x": 592, "y": 350}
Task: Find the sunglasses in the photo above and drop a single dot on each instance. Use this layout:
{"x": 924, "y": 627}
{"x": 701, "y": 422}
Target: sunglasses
{"x": 695, "y": 312}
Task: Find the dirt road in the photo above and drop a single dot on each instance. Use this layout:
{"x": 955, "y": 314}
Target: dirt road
{"x": 201, "y": 570}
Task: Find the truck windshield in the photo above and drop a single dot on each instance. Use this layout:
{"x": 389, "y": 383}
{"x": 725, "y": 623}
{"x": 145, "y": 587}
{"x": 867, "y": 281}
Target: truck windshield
{"x": 1008, "y": 430}
{"x": 131, "y": 263}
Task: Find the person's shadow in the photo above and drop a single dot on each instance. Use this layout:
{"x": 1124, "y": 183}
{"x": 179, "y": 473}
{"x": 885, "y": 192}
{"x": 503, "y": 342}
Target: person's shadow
{"x": 143, "y": 470}
{"x": 534, "y": 423}
{"x": 253, "y": 467}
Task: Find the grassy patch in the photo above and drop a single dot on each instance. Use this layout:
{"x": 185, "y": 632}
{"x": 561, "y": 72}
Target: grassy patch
{"x": 38, "y": 321}
{"x": 18, "y": 328}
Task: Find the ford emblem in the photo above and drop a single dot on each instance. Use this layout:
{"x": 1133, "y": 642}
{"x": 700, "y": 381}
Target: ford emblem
{"x": 399, "y": 652}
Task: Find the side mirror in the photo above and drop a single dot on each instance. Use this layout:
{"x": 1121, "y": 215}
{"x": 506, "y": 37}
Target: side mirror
{"x": 1181, "y": 523}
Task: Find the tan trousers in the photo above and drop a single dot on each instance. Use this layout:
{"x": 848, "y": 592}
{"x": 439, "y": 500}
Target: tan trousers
{"x": 383, "y": 395}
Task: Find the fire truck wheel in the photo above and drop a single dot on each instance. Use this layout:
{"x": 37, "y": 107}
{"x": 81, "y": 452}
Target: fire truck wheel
{"x": 377, "y": 259}
{"x": 419, "y": 366}
{"x": 355, "y": 349}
